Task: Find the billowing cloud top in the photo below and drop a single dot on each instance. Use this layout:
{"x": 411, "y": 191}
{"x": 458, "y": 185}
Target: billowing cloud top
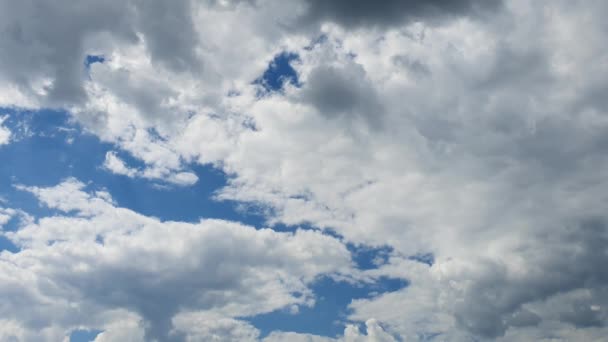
{"x": 459, "y": 146}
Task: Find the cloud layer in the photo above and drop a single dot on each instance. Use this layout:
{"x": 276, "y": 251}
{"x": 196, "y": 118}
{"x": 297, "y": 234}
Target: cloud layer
{"x": 471, "y": 130}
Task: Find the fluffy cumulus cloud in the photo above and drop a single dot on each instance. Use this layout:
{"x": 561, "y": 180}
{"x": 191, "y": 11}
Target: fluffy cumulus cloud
{"x": 472, "y": 131}
{"x": 94, "y": 264}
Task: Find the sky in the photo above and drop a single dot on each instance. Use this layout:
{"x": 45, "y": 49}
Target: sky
{"x": 303, "y": 170}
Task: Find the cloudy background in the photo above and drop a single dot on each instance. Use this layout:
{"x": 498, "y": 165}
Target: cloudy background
{"x": 268, "y": 170}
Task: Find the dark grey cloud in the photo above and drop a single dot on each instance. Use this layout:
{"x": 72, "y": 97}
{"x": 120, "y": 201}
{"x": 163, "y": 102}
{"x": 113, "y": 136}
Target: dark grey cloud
{"x": 144, "y": 93}
{"x": 361, "y": 13}
{"x": 415, "y": 67}
{"x": 523, "y": 318}
{"x": 40, "y": 40}
{"x": 169, "y": 32}
{"x": 528, "y": 68}
{"x": 571, "y": 259}
{"x": 343, "y": 91}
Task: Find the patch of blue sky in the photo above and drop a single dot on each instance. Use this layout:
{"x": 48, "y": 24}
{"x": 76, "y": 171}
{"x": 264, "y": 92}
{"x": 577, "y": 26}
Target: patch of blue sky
{"x": 50, "y": 148}
{"x": 84, "y": 335}
{"x": 367, "y": 257}
{"x": 7, "y": 245}
{"x": 329, "y": 314}
{"x": 279, "y": 72}
{"x": 304, "y": 225}
{"x": 90, "y": 59}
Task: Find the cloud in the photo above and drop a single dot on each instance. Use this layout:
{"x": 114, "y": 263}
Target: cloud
{"x": 42, "y": 61}
{"x": 343, "y": 91}
{"x": 463, "y": 169}
{"x": 352, "y": 333}
{"x": 114, "y": 164}
{"x": 94, "y": 263}
{"x": 5, "y": 215}
{"x": 5, "y": 133}
{"x": 209, "y": 327}
{"x": 126, "y": 327}
{"x": 374, "y": 333}
{"x": 365, "y": 13}
{"x": 169, "y": 33}
{"x": 48, "y": 63}
{"x": 560, "y": 285}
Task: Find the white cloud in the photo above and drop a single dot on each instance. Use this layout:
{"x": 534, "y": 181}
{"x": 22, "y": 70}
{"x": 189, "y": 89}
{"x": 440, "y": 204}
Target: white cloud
{"x": 210, "y": 327}
{"x": 125, "y": 327}
{"x": 5, "y": 132}
{"x": 97, "y": 261}
{"x": 352, "y": 333}
{"x": 375, "y": 333}
{"x": 116, "y": 165}
{"x": 5, "y": 215}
